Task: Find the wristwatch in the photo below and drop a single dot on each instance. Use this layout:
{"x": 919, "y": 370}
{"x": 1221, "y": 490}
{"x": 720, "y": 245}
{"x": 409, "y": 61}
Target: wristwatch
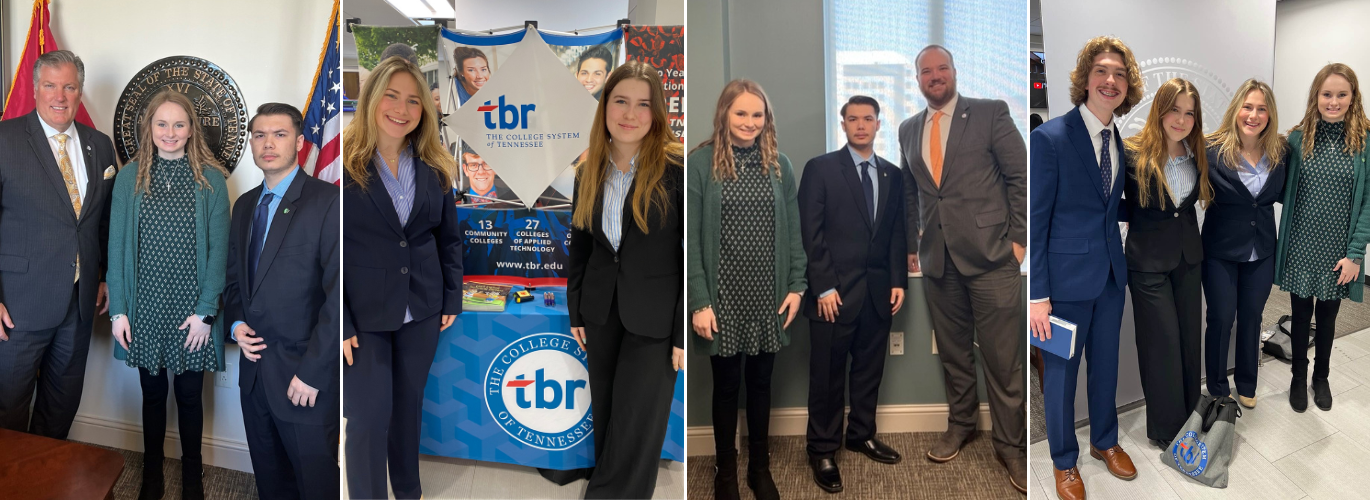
{"x": 208, "y": 319}
{"x": 1357, "y": 261}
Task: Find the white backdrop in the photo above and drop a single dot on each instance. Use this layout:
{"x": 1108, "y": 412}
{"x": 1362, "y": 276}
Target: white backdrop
{"x": 1214, "y": 44}
{"x": 271, "y": 49}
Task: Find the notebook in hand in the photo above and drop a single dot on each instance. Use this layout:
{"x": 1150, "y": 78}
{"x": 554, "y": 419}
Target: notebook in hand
{"x": 1062, "y": 341}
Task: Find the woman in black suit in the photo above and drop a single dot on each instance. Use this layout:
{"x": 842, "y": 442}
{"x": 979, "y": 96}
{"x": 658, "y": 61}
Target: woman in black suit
{"x": 625, "y": 279}
{"x": 1167, "y": 177}
{"x": 1246, "y": 164}
{"x": 402, "y": 274}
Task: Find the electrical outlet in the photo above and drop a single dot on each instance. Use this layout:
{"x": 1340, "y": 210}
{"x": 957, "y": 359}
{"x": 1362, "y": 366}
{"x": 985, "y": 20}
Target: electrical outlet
{"x": 896, "y": 343}
{"x": 932, "y": 334}
{"x": 224, "y": 378}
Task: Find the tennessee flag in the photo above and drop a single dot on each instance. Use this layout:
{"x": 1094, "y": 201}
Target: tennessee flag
{"x": 321, "y": 156}
{"x": 40, "y": 41}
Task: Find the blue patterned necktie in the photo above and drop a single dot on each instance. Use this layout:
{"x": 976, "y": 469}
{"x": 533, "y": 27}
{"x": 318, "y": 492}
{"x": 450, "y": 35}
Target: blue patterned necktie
{"x": 254, "y": 248}
{"x": 868, "y": 187}
{"x": 1106, "y": 164}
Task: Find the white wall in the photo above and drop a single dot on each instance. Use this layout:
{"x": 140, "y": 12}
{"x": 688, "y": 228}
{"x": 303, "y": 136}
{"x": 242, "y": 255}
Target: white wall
{"x": 1309, "y": 34}
{"x": 271, "y": 48}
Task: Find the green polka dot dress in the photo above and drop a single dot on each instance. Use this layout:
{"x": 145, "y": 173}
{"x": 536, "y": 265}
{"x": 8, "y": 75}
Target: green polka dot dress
{"x": 168, "y": 287}
{"x": 1320, "y": 226}
{"x": 747, "y": 322}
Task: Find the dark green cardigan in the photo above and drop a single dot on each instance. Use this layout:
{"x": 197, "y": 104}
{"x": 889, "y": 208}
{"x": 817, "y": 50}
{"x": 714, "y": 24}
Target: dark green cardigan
{"x": 211, "y": 251}
{"x": 704, "y": 207}
{"x": 1360, "y": 216}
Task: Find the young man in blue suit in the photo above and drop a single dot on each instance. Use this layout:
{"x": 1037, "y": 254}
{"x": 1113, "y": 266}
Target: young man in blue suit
{"x": 1077, "y": 270}
{"x": 282, "y": 299}
{"x": 851, "y": 216}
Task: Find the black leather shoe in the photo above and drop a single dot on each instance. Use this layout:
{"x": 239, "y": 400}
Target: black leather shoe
{"x": 875, "y": 449}
{"x": 1322, "y": 394}
{"x": 825, "y": 473}
{"x": 1298, "y": 395}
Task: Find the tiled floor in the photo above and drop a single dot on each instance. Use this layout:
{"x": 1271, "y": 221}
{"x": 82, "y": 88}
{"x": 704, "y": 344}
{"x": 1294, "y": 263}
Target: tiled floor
{"x": 1279, "y": 454}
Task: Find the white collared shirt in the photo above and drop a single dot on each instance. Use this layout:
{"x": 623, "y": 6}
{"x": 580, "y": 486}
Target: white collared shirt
{"x": 78, "y": 160}
{"x": 1094, "y": 126}
{"x": 944, "y": 130}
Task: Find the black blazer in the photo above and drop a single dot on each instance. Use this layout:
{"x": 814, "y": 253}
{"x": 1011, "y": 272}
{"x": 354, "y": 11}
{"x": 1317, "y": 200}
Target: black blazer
{"x": 40, "y": 233}
{"x": 387, "y": 267}
{"x": 1159, "y": 236}
{"x": 1236, "y": 222}
{"x": 847, "y": 250}
{"x": 646, "y": 274}
{"x": 293, "y": 303}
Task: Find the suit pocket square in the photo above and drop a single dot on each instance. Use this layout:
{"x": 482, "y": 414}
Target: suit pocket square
{"x": 109, "y": 172}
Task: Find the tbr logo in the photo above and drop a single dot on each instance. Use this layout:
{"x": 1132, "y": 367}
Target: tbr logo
{"x": 510, "y": 116}
{"x": 538, "y": 390}
{"x": 1190, "y": 454}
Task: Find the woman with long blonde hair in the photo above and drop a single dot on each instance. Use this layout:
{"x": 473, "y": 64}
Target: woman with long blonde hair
{"x": 744, "y": 284}
{"x": 168, "y": 253}
{"x": 624, "y": 279}
{"x": 1247, "y": 159}
{"x": 403, "y": 274}
{"x": 1167, "y": 176}
{"x": 1325, "y": 223}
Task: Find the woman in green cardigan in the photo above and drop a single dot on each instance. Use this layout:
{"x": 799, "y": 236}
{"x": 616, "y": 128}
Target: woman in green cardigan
{"x": 168, "y": 241}
{"x": 745, "y": 271}
{"x": 1325, "y": 223}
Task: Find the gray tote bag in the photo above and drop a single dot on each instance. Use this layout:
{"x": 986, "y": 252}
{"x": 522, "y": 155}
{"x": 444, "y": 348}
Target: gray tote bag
{"x": 1202, "y": 449}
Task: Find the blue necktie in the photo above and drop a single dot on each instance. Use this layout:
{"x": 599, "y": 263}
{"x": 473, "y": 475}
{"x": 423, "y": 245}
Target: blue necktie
{"x": 868, "y": 187}
{"x": 254, "y": 248}
{"x": 1106, "y": 164}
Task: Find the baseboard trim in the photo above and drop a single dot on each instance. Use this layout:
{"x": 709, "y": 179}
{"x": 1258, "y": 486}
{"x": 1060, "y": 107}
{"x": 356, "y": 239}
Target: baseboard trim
{"x": 226, "y": 453}
{"x": 699, "y": 440}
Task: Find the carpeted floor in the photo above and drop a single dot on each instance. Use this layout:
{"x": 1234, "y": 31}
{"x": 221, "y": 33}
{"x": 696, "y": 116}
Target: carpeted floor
{"x": 220, "y": 483}
{"x": 975, "y": 474}
{"x": 1351, "y": 318}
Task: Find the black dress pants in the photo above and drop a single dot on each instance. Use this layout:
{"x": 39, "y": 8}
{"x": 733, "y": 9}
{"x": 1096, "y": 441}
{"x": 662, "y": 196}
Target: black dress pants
{"x": 631, "y": 386}
{"x": 190, "y": 414}
{"x": 1166, "y": 311}
{"x": 728, "y": 376}
{"x": 383, "y": 391}
{"x": 865, "y": 341}
{"x": 53, "y": 361}
{"x": 291, "y": 460}
{"x": 1305, "y": 310}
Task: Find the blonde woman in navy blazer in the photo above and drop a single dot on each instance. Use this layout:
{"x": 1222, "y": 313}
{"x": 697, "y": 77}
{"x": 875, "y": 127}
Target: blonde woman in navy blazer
{"x": 402, "y": 274}
{"x": 1246, "y": 166}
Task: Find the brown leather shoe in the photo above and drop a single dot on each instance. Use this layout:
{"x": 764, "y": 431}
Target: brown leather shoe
{"x": 1119, "y": 464}
{"x": 1069, "y": 485}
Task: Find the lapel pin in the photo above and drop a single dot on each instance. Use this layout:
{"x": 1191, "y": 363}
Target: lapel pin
{"x": 287, "y": 210}
{"x": 963, "y": 115}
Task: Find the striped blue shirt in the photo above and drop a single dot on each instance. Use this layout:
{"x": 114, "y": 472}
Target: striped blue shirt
{"x": 616, "y": 186}
{"x": 401, "y": 190}
{"x": 1181, "y": 174}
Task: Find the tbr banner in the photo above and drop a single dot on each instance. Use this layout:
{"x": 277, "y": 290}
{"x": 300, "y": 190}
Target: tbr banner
{"x": 469, "y": 62}
{"x": 664, "y": 48}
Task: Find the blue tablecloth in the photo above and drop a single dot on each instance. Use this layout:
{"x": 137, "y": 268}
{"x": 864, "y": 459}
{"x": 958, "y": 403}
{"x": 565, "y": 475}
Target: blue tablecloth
{"x": 512, "y": 387}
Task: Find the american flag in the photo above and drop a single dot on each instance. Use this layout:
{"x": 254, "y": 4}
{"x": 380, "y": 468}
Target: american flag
{"x": 322, "y": 151}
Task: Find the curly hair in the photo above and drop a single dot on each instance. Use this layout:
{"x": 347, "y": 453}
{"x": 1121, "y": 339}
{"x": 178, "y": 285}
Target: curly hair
{"x": 1079, "y": 77}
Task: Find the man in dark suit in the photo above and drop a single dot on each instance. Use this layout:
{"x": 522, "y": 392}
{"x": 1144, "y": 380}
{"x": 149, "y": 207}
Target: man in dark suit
{"x": 282, "y": 300}
{"x": 851, "y": 212}
{"x": 1077, "y": 270}
{"x": 55, "y": 182}
{"x": 965, "y": 160}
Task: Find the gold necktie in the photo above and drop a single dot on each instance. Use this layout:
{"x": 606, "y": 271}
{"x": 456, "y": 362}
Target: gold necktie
{"x": 935, "y": 148}
{"x": 69, "y": 176}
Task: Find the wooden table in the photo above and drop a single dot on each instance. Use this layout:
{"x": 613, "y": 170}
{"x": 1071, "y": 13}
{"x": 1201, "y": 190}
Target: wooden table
{"x": 35, "y": 467}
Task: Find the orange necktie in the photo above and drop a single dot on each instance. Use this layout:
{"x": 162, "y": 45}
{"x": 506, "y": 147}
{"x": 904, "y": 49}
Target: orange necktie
{"x": 935, "y": 148}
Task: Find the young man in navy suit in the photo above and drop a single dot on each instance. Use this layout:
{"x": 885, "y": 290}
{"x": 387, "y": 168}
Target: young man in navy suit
{"x": 282, "y": 299}
{"x": 851, "y": 215}
{"x": 1077, "y": 270}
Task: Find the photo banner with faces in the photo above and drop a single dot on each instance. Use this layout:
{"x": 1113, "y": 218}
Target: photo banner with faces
{"x": 514, "y": 220}
{"x": 663, "y": 47}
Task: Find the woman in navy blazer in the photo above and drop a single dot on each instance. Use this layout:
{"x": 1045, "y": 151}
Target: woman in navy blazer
{"x": 402, "y": 274}
{"x": 1246, "y": 165}
{"x": 626, "y": 277}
